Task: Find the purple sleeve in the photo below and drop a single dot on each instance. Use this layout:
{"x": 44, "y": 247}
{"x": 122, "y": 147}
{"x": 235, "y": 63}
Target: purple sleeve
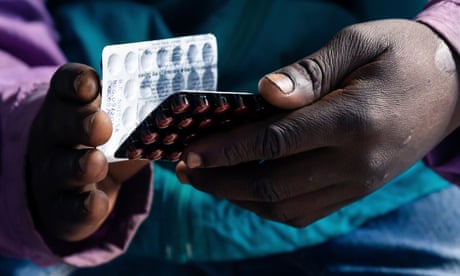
{"x": 29, "y": 55}
{"x": 444, "y": 17}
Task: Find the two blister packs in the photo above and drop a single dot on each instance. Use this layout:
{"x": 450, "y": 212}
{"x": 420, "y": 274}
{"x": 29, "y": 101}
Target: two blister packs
{"x": 160, "y": 96}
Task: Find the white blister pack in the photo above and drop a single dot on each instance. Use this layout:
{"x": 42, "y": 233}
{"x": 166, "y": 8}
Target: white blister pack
{"x": 137, "y": 77}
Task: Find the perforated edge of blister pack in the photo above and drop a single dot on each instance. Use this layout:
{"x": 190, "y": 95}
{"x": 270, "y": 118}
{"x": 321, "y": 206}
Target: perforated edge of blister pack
{"x": 137, "y": 77}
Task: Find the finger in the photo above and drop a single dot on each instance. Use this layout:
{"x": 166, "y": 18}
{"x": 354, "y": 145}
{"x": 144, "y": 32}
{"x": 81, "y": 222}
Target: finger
{"x": 72, "y": 169}
{"x": 80, "y": 215}
{"x": 322, "y": 124}
{"x": 73, "y": 107}
{"x": 75, "y": 82}
{"x": 308, "y": 207}
{"x": 314, "y": 76}
{"x": 271, "y": 181}
{"x": 71, "y": 126}
{"x": 77, "y": 216}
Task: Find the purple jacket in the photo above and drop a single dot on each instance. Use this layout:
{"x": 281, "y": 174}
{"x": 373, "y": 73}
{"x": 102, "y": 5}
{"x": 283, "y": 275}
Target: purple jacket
{"x": 444, "y": 17}
{"x": 29, "y": 55}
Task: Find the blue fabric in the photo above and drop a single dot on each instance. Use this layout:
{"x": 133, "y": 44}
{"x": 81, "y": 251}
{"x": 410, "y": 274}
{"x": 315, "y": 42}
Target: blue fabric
{"x": 418, "y": 238}
{"x": 188, "y": 225}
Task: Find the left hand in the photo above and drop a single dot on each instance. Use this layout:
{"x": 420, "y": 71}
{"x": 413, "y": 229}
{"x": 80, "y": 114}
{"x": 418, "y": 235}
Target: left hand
{"x": 365, "y": 107}
{"x": 72, "y": 187}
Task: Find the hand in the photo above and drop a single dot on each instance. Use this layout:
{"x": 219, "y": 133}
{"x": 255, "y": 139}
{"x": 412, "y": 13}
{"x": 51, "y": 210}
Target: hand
{"x": 367, "y": 106}
{"x": 72, "y": 187}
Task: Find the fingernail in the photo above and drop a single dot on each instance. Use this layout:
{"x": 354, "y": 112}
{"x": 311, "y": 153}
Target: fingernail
{"x": 282, "y": 81}
{"x": 87, "y": 201}
{"x": 88, "y": 122}
{"x": 183, "y": 178}
{"x": 77, "y": 82}
{"x": 193, "y": 160}
{"x": 82, "y": 162}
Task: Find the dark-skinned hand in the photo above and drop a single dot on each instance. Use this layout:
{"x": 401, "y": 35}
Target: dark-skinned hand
{"x": 361, "y": 110}
{"x": 72, "y": 187}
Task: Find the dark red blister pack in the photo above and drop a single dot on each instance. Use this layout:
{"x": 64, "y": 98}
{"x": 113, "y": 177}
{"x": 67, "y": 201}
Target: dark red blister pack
{"x": 187, "y": 115}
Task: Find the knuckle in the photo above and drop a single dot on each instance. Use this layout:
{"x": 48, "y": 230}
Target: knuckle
{"x": 314, "y": 73}
{"x": 372, "y": 118}
{"x": 372, "y": 172}
{"x": 361, "y": 122}
{"x": 233, "y": 153}
{"x": 268, "y": 190}
{"x": 362, "y": 119}
{"x": 272, "y": 141}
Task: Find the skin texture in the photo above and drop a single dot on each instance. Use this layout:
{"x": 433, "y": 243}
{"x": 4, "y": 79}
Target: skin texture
{"x": 72, "y": 187}
{"x": 359, "y": 112}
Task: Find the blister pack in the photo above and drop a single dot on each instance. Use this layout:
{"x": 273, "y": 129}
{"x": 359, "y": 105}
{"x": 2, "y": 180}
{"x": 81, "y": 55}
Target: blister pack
{"x": 160, "y": 95}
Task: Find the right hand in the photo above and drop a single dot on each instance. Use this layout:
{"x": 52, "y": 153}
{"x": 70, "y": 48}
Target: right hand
{"x": 367, "y": 106}
{"x": 72, "y": 187}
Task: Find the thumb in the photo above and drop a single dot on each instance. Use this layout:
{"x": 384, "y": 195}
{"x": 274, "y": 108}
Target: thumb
{"x": 314, "y": 76}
